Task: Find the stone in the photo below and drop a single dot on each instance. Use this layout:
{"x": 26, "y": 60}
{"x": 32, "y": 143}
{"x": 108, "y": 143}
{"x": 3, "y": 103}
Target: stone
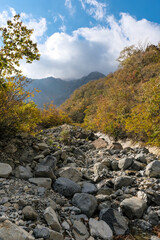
{"x": 154, "y": 238}
{"x": 29, "y": 213}
{"x": 80, "y": 231}
{"x": 10, "y": 231}
{"x": 114, "y": 165}
{"x": 99, "y": 167}
{"x": 41, "y": 182}
{"x": 50, "y": 161}
{"x": 23, "y": 173}
{"x": 115, "y": 220}
{"x": 70, "y": 173}
{"x": 89, "y": 188}
{"x": 5, "y": 170}
{"x": 100, "y": 229}
{"x": 86, "y": 202}
{"x": 115, "y": 146}
{"x": 123, "y": 181}
{"x": 125, "y": 163}
{"x": 66, "y": 187}
{"x": 141, "y": 158}
{"x": 46, "y": 233}
{"x": 51, "y": 219}
{"x": 153, "y": 169}
{"x": 137, "y": 166}
{"x": 42, "y": 146}
{"x": 44, "y": 171}
{"x": 10, "y": 148}
{"x": 100, "y": 143}
{"x": 133, "y": 207}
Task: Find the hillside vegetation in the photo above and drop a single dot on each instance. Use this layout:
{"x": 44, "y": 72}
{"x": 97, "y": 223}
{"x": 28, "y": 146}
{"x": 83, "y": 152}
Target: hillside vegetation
{"x": 127, "y": 102}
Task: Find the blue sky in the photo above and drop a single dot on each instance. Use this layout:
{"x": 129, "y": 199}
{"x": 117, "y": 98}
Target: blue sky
{"x": 76, "y": 37}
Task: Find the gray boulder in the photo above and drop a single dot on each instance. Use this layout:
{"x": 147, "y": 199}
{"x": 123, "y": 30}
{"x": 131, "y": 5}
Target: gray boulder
{"x": 51, "y": 219}
{"x": 89, "y": 188}
{"x": 44, "y": 171}
{"x": 133, "y": 207}
{"x": 41, "y": 182}
{"x": 86, "y": 202}
{"x": 66, "y": 187}
{"x": 41, "y": 232}
{"x": 23, "y": 173}
{"x": 70, "y": 173}
{"x": 100, "y": 229}
{"x": 123, "y": 181}
{"x": 153, "y": 169}
{"x": 5, "y": 170}
{"x": 125, "y": 163}
{"x": 50, "y": 161}
{"x": 115, "y": 220}
{"x": 29, "y": 213}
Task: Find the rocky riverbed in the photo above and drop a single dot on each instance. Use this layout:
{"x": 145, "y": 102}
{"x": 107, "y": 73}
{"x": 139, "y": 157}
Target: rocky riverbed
{"x": 66, "y": 183}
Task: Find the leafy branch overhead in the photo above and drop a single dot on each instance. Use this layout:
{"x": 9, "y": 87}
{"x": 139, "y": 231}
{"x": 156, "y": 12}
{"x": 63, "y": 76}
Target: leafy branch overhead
{"x": 16, "y": 45}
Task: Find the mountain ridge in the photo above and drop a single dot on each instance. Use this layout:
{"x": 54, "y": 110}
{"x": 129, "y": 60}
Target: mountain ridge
{"x": 57, "y": 89}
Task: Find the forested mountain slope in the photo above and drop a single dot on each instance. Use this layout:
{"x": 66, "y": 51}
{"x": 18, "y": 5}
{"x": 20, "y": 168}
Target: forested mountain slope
{"x": 126, "y": 103}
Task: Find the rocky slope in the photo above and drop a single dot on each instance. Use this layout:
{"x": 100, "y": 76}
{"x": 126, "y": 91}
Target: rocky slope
{"x": 67, "y": 183}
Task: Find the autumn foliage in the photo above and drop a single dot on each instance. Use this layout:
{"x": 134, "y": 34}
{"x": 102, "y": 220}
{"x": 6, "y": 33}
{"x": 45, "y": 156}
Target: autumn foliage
{"x": 125, "y": 103}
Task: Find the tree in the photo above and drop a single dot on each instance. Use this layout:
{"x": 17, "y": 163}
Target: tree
{"x": 15, "y": 114}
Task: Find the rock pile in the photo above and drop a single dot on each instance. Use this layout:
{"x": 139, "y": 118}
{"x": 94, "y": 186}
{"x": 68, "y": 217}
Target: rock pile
{"x": 68, "y": 184}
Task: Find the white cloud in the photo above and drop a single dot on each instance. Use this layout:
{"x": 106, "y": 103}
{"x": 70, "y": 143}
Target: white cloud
{"x": 94, "y": 8}
{"x": 68, "y": 4}
{"x": 91, "y": 49}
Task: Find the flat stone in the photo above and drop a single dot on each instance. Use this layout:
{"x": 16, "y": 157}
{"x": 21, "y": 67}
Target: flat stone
{"x": 86, "y": 202}
{"x": 70, "y": 173}
{"x": 80, "y": 231}
{"x": 10, "y": 231}
{"x": 51, "y": 219}
{"x": 153, "y": 169}
{"x": 100, "y": 229}
{"x": 44, "y": 171}
{"x": 99, "y": 143}
{"x": 66, "y": 187}
{"x": 133, "y": 207}
{"x": 46, "y": 233}
{"x": 5, "y": 170}
{"x": 115, "y": 220}
{"x": 42, "y": 146}
{"x": 41, "y": 182}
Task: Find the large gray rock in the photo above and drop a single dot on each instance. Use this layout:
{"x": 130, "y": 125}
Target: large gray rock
{"x": 80, "y": 231}
{"x": 44, "y": 171}
{"x": 115, "y": 220}
{"x": 41, "y": 182}
{"x": 5, "y": 170}
{"x": 153, "y": 169}
{"x": 89, "y": 188}
{"x": 125, "y": 163}
{"x": 70, "y": 173}
{"x": 50, "y": 161}
{"x": 86, "y": 202}
{"x": 66, "y": 187}
{"x": 123, "y": 181}
{"x": 100, "y": 229}
{"x": 23, "y": 173}
{"x": 51, "y": 219}
{"x": 133, "y": 207}
{"x": 10, "y": 231}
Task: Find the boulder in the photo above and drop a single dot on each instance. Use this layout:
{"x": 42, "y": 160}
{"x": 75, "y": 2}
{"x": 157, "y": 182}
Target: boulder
{"x": 51, "y": 219}
{"x": 86, "y": 202}
{"x": 100, "y": 229}
{"x": 89, "y": 188}
{"x": 23, "y": 173}
{"x": 70, "y": 173}
{"x": 42, "y": 146}
{"x": 99, "y": 167}
{"x": 115, "y": 146}
{"x": 99, "y": 143}
{"x": 50, "y": 161}
{"x": 5, "y": 170}
{"x": 80, "y": 231}
{"x": 46, "y": 233}
{"x": 44, "y": 171}
{"x": 115, "y": 220}
{"x": 125, "y": 163}
{"x": 133, "y": 207}
{"x": 29, "y": 213}
{"x": 10, "y": 231}
{"x": 123, "y": 181}
{"x": 41, "y": 182}
{"x": 153, "y": 169}
{"x": 66, "y": 187}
